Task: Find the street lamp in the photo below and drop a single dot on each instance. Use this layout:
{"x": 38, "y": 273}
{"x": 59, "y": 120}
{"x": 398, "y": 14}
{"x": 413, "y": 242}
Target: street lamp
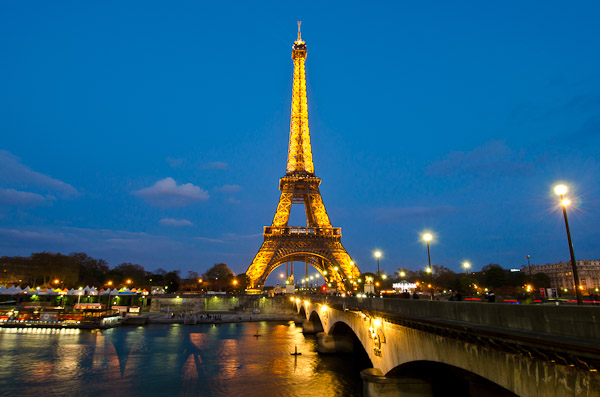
{"x": 529, "y": 265}
{"x": 428, "y": 237}
{"x": 560, "y": 190}
{"x": 378, "y": 255}
{"x": 467, "y": 266}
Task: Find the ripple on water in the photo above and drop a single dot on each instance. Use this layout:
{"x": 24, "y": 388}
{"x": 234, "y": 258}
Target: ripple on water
{"x": 174, "y": 359}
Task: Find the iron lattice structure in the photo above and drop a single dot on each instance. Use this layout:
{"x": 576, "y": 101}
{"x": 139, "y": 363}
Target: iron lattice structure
{"x": 318, "y": 244}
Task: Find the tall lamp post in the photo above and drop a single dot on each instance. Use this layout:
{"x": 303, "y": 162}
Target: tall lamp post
{"x": 467, "y": 266}
{"x": 561, "y": 190}
{"x": 377, "y": 255}
{"x": 428, "y": 237}
{"x": 529, "y": 265}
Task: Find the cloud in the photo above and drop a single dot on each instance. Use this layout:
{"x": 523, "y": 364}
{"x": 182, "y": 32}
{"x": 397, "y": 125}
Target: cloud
{"x": 583, "y": 102}
{"x": 12, "y": 171}
{"x": 229, "y": 188}
{"x": 235, "y": 236}
{"x": 216, "y": 165}
{"x": 392, "y": 215}
{"x": 211, "y": 240}
{"x": 174, "y": 162}
{"x": 175, "y": 222}
{"x": 12, "y": 197}
{"x": 493, "y": 159}
{"x": 167, "y": 193}
{"x": 229, "y": 238}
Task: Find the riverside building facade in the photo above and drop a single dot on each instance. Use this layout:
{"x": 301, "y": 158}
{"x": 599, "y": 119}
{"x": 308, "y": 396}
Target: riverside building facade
{"x": 561, "y": 274}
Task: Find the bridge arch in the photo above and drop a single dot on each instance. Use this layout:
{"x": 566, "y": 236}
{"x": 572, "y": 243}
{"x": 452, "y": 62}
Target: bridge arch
{"x": 444, "y": 377}
{"x": 314, "y": 318}
{"x": 401, "y": 352}
{"x": 302, "y": 311}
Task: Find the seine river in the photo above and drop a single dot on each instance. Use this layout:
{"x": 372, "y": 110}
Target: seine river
{"x": 205, "y": 360}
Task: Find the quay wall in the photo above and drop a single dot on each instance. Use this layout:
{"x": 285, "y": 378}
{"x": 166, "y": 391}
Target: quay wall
{"x": 252, "y": 304}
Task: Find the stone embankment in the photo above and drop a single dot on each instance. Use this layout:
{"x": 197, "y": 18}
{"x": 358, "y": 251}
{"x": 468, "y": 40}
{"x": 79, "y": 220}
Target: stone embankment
{"x": 215, "y": 318}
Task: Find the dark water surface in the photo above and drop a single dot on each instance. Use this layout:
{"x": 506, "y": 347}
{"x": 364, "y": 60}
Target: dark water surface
{"x": 205, "y": 360}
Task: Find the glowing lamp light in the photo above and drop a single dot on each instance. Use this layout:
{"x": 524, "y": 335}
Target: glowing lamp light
{"x": 560, "y": 189}
{"x": 428, "y": 270}
{"x": 56, "y": 281}
{"x": 377, "y": 254}
{"x": 402, "y": 274}
{"x": 377, "y": 323}
{"x": 235, "y": 282}
{"x": 466, "y": 265}
{"x": 281, "y": 275}
{"x": 566, "y": 202}
{"x": 427, "y": 237}
{"x": 200, "y": 280}
{"x": 336, "y": 268}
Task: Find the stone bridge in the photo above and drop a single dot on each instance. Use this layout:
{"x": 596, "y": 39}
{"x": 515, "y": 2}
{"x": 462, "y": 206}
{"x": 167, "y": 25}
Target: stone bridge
{"x": 421, "y": 347}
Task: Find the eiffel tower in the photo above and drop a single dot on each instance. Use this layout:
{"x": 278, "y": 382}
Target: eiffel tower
{"x": 318, "y": 244}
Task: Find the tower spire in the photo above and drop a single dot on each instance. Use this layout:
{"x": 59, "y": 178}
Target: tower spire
{"x": 299, "y": 151}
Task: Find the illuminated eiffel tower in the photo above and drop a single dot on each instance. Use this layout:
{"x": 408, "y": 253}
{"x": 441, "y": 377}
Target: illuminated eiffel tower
{"x": 318, "y": 244}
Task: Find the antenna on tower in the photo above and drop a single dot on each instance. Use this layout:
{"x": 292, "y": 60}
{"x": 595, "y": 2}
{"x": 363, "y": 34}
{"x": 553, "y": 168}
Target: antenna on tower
{"x": 299, "y": 23}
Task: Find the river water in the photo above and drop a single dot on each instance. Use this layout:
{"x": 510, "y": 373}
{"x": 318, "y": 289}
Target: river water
{"x": 204, "y": 360}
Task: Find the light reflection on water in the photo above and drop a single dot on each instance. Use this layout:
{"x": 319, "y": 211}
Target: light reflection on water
{"x": 225, "y": 359}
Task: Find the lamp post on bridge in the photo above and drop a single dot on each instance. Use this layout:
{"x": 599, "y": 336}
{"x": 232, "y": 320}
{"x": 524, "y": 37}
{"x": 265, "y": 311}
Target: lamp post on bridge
{"x": 560, "y": 190}
{"x": 428, "y": 237}
{"x": 467, "y": 266}
{"x": 377, "y": 255}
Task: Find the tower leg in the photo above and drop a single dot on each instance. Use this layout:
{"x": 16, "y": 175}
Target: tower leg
{"x": 306, "y": 270}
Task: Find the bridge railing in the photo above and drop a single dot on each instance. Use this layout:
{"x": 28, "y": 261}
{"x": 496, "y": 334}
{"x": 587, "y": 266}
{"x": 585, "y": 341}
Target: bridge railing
{"x": 568, "y": 321}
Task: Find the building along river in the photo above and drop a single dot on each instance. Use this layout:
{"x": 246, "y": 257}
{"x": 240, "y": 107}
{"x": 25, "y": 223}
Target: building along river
{"x": 172, "y": 359}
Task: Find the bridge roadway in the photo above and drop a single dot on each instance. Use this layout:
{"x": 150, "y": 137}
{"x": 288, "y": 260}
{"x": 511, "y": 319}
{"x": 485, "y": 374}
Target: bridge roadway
{"x": 421, "y": 347}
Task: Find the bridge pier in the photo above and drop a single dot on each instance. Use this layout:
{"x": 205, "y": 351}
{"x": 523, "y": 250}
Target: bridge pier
{"x": 309, "y": 327}
{"x": 334, "y": 343}
{"x": 375, "y": 384}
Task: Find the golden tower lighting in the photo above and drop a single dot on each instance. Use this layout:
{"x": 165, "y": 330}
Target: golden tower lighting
{"x": 318, "y": 243}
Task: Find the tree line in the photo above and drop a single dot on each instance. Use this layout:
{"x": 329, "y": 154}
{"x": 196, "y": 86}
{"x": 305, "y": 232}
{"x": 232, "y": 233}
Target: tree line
{"x": 492, "y": 276}
{"x": 56, "y": 270}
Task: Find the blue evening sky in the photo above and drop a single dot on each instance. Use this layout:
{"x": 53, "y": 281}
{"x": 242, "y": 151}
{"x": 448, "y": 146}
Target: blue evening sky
{"x": 155, "y": 132}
